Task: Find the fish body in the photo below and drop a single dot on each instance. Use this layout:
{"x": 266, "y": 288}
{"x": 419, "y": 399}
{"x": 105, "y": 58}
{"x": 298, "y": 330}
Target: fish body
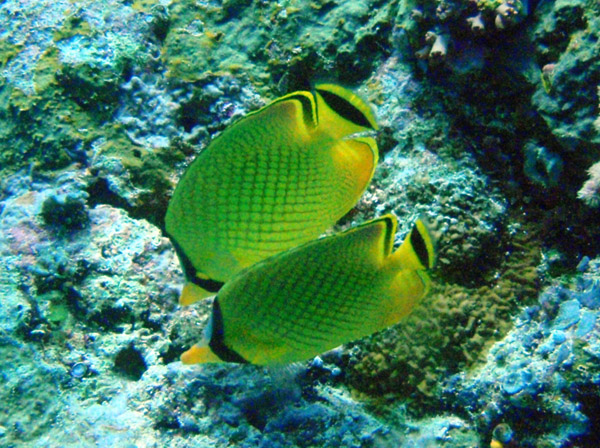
{"x": 310, "y": 299}
{"x": 277, "y": 178}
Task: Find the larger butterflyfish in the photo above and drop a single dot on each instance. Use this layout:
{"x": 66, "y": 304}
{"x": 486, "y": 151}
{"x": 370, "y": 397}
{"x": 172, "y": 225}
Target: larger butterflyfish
{"x": 277, "y": 178}
{"x": 315, "y": 297}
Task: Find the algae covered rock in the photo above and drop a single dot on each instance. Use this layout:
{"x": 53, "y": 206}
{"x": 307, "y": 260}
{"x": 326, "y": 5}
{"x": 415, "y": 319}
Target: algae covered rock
{"x": 543, "y": 363}
{"x": 326, "y": 35}
{"x": 566, "y": 43}
{"x": 489, "y": 117}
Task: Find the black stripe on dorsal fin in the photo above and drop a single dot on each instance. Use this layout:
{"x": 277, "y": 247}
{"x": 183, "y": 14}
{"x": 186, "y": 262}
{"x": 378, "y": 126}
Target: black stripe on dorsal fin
{"x": 390, "y": 222}
{"x": 307, "y": 101}
{"x": 217, "y": 338}
{"x": 345, "y": 108}
{"x": 390, "y": 231}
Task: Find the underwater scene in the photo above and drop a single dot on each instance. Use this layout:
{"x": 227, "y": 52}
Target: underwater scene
{"x": 300, "y": 223}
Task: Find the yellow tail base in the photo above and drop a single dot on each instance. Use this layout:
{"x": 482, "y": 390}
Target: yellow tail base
{"x": 199, "y": 354}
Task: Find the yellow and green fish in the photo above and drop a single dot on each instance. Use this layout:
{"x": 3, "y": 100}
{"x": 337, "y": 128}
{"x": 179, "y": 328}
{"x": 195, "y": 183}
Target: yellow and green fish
{"x": 277, "y": 178}
{"x": 315, "y": 297}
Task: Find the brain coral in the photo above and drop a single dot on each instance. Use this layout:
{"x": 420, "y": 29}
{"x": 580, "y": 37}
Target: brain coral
{"x": 449, "y": 332}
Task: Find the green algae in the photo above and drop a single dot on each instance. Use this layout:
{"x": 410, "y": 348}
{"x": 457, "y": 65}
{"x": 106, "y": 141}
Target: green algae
{"x": 73, "y": 26}
{"x": 94, "y": 89}
{"x": 46, "y": 126}
{"x": 44, "y": 73}
{"x": 145, "y": 5}
{"x": 8, "y": 50}
{"x": 68, "y": 117}
{"x": 58, "y": 313}
{"x": 289, "y": 45}
{"x": 196, "y": 43}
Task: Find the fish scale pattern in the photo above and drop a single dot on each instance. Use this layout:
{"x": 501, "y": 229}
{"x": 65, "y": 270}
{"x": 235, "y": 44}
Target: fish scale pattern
{"x": 274, "y": 201}
{"x": 267, "y": 184}
{"x": 323, "y": 298}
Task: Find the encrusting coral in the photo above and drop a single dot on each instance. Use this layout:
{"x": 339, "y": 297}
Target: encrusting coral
{"x": 449, "y": 332}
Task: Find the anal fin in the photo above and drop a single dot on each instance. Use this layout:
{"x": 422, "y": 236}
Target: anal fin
{"x": 192, "y": 293}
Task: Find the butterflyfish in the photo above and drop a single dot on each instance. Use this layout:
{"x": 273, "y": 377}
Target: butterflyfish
{"x": 315, "y": 297}
{"x": 277, "y": 178}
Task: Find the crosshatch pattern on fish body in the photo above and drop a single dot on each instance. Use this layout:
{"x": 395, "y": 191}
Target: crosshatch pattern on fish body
{"x": 317, "y": 296}
{"x": 276, "y": 179}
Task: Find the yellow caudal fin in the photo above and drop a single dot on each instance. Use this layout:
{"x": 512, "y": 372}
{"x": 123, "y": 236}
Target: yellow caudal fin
{"x": 417, "y": 252}
{"x": 342, "y": 112}
{"x": 199, "y": 354}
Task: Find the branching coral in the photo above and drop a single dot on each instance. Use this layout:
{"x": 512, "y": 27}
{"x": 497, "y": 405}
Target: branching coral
{"x": 477, "y": 24}
{"x": 482, "y": 17}
{"x": 439, "y": 49}
{"x": 508, "y": 13}
{"x": 436, "y": 47}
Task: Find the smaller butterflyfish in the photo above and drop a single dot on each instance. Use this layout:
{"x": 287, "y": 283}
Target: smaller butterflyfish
{"x": 315, "y": 297}
{"x": 277, "y": 178}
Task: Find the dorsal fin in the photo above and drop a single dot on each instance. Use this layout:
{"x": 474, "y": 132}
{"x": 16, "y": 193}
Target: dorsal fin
{"x": 306, "y": 100}
{"x": 389, "y": 223}
{"x": 390, "y": 231}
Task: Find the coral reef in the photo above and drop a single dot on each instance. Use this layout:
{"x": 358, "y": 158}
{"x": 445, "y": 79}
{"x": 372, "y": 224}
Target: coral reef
{"x": 489, "y": 118}
{"x": 541, "y": 165}
{"x": 522, "y": 95}
{"x": 424, "y": 176}
{"x": 202, "y": 38}
{"x": 542, "y": 380}
{"x": 449, "y": 332}
{"x": 563, "y": 41}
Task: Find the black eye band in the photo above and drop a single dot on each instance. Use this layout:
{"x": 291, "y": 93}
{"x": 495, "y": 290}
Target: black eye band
{"x": 345, "y": 109}
{"x": 420, "y": 247}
